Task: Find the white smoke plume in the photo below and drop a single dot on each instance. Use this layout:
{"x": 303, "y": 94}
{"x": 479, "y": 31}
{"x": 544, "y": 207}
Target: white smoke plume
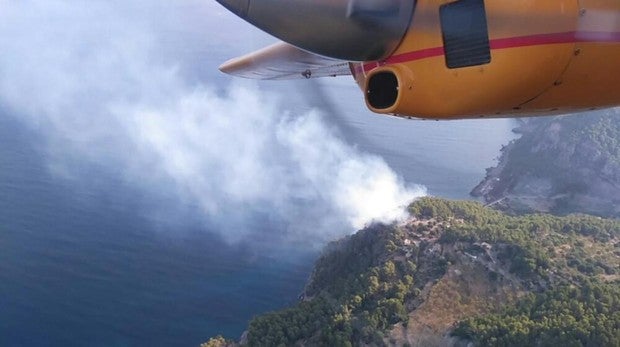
{"x": 98, "y": 79}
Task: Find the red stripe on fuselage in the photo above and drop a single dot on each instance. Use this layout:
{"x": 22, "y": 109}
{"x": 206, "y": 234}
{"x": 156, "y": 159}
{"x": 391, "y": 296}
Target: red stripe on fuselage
{"x": 511, "y": 42}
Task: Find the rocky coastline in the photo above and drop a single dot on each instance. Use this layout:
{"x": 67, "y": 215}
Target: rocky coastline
{"x": 559, "y": 165}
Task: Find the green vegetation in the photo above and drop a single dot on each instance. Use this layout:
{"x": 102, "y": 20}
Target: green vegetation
{"x": 592, "y": 138}
{"x": 358, "y": 291}
{"x": 567, "y": 316}
{"x": 602, "y": 130}
{"x": 366, "y": 284}
{"x": 533, "y": 244}
{"x": 561, "y": 165}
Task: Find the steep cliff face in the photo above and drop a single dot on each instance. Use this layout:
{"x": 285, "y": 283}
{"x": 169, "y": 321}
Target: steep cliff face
{"x": 450, "y": 276}
{"x": 561, "y": 165}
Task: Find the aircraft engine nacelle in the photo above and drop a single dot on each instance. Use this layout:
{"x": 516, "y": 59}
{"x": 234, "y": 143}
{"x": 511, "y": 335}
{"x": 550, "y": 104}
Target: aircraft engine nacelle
{"x": 492, "y": 58}
{"x": 352, "y": 30}
{"x": 445, "y": 59}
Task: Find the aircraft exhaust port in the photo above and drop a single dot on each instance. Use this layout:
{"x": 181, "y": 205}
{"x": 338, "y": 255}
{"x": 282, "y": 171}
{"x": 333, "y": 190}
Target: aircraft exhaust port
{"x": 382, "y": 91}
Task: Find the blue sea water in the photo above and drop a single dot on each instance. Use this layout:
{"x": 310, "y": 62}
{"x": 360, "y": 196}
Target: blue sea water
{"x": 80, "y": 267}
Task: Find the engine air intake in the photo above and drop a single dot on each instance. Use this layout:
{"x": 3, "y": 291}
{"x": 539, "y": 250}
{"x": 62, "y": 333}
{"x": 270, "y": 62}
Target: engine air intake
{"x": 382, "y": 91}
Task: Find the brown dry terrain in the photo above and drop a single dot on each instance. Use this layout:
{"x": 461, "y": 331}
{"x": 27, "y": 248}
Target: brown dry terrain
{"x": 466, "y": 290}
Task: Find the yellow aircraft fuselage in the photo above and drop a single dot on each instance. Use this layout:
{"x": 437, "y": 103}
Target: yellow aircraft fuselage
{"x": 546, "y": 57}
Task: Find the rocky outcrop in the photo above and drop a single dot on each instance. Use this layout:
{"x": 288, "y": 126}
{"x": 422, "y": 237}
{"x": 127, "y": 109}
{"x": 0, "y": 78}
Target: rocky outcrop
{"x": 567, "y": 164}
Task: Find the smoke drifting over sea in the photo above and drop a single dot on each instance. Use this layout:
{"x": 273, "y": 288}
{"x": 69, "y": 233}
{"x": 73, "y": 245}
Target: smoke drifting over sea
{"x": 100, "y": 81}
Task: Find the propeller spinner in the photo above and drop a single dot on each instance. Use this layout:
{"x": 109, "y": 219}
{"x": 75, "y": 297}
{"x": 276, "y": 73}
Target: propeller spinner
{"x": 352, "y": 30}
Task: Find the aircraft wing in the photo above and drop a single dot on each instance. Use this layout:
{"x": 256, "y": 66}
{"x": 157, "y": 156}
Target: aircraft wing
{"x": 282, "y": 61}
